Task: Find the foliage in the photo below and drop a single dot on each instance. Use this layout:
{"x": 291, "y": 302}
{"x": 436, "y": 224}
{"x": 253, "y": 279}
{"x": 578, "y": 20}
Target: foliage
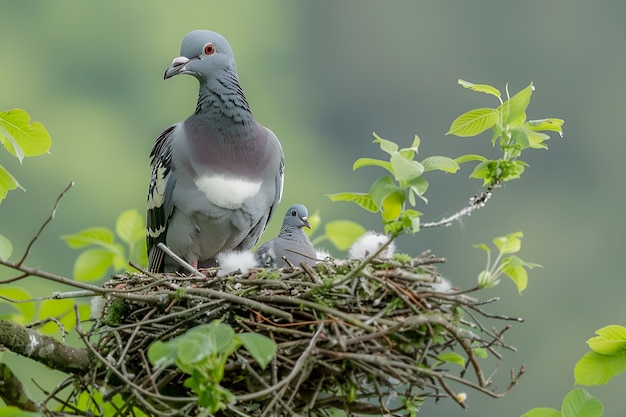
{"x": 577, "y": 403}
{"x": 512, "y": 266}
{"x": 404, "y": 183}
{"x": 202, "y": 353}
{"x": 21, "y": 138}
{"x": 605, "y": 360}
{"x": 102, "y": 250}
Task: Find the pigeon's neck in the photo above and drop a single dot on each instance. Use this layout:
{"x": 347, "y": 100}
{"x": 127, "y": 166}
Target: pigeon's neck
{"x": 222, "y": 100}
{"x": 291, "y": 233}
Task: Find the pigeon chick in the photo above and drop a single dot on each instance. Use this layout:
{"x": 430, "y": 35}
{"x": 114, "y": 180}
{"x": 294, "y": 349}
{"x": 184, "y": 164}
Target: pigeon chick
{"x": 291, "y": 242}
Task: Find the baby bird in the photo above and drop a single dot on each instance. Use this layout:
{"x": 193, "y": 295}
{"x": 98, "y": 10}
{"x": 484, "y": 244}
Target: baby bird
{"x": 291, "y": 243}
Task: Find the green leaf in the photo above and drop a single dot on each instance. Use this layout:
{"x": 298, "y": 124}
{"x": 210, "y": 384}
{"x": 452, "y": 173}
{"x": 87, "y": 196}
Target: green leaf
{"x": 473, "y": 122}
{"x": 513, "y": 267}
{"x": 7, "y": 183}
{"x": 411, "y": 220}
{"x": 526, "y": 137}
{"x": 510, "y": 243}
{"x": 161, "y": 354}
{"x": 389, "y": 197}
{"x": 362, "y": 199}
{"x": 6, "y": 248}
{"x": 597, "y": 369}
{"x": 27, "y": 310}
{"x": 468, "y": 158}
{"x": 261, "y": 348}
{"x": 487, "y": 280}
{"x": 405, "y": 169}
{"x": 314, "y": 221}
{"x": 441, "y": 163}
{"x": 12, "y": 411}
{"x": 551, "y": 124}
{"x": 481, "y": 88}
{"x": 579, "y": 403}
{"x": 452, "y": 357}
{"x": 62, "y": 310}
{"x": 364, "y": 162}
{"x": 513, "y": 109}
{"x": 93, "y": 236}
{"x": 343, "y": 233}
{"x": 611, "y": 340}
{"x": 130, "y": 226}
{"x": 20, "y": 136}
{"x": 386, "y": 145}
{"x": 92, "y": 264}
{"x": 542, "y": 412}
{"x": 483, "y": 247}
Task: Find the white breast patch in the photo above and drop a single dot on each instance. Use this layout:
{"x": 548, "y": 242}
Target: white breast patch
{"x": 228, "y": 193}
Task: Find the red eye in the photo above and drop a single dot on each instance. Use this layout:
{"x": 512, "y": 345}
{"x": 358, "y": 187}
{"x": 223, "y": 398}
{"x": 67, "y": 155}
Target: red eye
{"x": 209, "y": 49}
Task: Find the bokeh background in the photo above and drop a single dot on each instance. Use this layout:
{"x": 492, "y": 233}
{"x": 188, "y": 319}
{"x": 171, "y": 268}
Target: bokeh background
{"x": 323, "y": 75}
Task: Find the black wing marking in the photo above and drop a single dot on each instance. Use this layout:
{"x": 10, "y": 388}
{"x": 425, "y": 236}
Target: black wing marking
{"x": 160, "y": 206}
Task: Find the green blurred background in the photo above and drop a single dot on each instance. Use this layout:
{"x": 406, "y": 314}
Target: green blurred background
{"x": 323, "y": 75}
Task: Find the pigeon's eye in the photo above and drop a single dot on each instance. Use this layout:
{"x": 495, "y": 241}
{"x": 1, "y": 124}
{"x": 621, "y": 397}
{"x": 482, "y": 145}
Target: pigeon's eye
{"x": 209, "y": 49}
{"x": 294, "y": 213}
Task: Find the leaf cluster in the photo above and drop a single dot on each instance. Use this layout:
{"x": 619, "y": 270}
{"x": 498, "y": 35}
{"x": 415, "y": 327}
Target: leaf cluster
{"x": 101, "y": 250}
{"x": 202, "y": 353}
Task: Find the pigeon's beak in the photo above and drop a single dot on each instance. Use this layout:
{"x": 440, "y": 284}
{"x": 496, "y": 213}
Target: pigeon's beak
{"x": 177, "y": 67}
{"x": 305, "y": 221}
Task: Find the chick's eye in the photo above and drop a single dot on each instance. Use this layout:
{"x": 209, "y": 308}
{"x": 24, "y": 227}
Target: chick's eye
{"x": 293, "y": 213}
{"x": 209, "y": 49}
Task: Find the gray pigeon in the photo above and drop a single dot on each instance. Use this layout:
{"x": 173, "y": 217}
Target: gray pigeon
{"x": 291, "y": 242}
{"x": 217, "y": 176}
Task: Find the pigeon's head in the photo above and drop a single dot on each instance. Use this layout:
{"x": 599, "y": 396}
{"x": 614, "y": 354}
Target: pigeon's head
{"x": 297, "y": 217}
{"x": 202, "y": 53}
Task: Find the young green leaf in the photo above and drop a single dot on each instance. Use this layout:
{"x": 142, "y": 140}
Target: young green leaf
{"x": 362, "y": 199}
{"x": 510, "y": 243}
{"x": 513, "y": 267}
{"x": 27, "y": 310}
{"x": 610, "y": 340}
{"x": 579, "y": 403}
{"x": 468, "y": 158}
{"x": 261, "y": 348}
{"x": 481, "y": 88}
{"x": 441, "y": 163}
{"x": 473, "y": 122}
{"x": 597, "y": 369}
{"x": 551, "y": 124}
{"x": 20, "y": 136}
{"x": 130, "y": 226}
{"x": 343, "y": 233}
{"x": 365, "y": 162}
{"x": 405, "y": 169}
{"x": 513, "y": 109}
{"x": 452, "y": 357}
{"x": 6, "y": 248}
{"x": 7, "y": 183}
{"x": 386, "y": 146}
{"x": 92, "y": 264}
{"x": 542, "y": 412}
{"x": 93, "y": 236}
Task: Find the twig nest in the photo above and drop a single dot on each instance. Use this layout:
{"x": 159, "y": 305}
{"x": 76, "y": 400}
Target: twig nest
{"x": 365, "y": 338}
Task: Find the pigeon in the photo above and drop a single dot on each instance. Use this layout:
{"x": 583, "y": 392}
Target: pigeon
{"x": 291, "y": 242}
{"x": 217, "y": 176}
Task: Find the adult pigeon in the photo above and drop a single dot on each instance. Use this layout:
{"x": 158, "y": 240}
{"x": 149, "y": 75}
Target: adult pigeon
{"x": 291, "y": 242}
{"x": 217, "y": 176}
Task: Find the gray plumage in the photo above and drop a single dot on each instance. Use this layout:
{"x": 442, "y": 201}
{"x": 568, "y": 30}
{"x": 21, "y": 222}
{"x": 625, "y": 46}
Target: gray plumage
{"x": 291, "y": 242}
{"x": 217, "y": 176}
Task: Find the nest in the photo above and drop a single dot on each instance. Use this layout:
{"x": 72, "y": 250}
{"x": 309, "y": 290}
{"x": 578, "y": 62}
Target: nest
{"x": 363, "y": 337}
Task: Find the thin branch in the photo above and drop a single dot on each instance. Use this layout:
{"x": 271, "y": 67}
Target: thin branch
{"x": 475, "y": 203}
{"x": 180, "y": 260}
{"x": 45, "y": 223}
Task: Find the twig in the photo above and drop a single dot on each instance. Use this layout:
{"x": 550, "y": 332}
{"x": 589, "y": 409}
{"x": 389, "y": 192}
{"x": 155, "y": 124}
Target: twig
{"x": 180, "y": 260}
{"x": 296, "y": 369}
{"x": 43, "y": 226}
{"x": 475, "y": 203}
